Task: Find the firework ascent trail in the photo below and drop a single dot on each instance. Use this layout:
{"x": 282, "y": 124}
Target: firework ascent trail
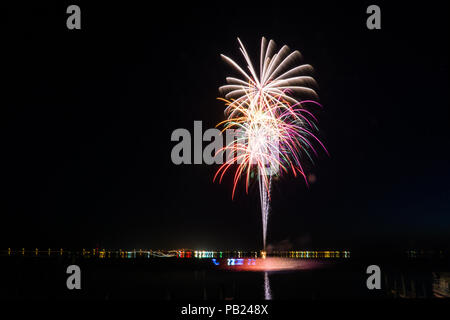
{"x": 274, "y": 127}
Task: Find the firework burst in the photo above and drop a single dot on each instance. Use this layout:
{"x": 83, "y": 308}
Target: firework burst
{"x": 274, "y": 128}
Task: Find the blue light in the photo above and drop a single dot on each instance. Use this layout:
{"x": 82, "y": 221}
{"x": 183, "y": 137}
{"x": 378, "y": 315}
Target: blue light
{"x": 215, "y": 262}
{"x": 235, "y": 262}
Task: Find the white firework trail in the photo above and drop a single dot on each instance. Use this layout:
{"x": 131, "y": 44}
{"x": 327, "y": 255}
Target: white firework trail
{"x": 277, "y": 129}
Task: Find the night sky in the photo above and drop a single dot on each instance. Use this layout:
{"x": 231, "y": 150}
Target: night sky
{"x": 87, "y": 118}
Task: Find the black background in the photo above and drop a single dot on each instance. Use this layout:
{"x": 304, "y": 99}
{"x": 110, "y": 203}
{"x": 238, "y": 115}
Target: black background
{"x": 87, "y": 117}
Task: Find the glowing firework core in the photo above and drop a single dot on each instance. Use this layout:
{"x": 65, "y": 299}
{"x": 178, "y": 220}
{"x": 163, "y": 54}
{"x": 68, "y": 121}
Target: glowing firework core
{"x": 276, "y": 128}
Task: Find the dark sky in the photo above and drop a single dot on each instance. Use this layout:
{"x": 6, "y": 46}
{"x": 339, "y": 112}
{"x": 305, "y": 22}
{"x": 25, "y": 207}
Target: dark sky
{"x": 87, "y": 118}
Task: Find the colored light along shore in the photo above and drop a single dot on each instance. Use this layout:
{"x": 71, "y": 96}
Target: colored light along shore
{"x": 103, "y": 253}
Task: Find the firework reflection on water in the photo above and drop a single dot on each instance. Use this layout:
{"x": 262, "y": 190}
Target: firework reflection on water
{"x": 269, "y": 264}
{"x": 267, "y": 291}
